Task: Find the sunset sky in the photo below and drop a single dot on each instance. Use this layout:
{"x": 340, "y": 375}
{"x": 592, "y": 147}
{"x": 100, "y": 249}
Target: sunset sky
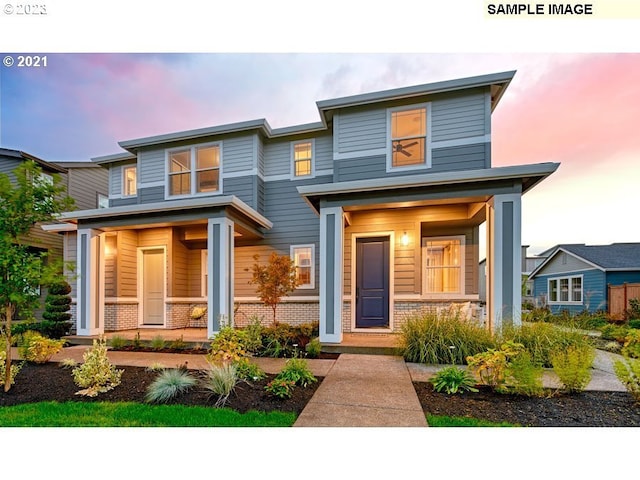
{"x": 581, "y": 110}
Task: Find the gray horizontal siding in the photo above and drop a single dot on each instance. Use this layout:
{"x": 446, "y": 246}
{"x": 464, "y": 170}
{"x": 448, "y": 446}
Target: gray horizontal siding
{"x": 243, "y": 188}
{"x": 456, "y": 118}
{"x": 360, "y": 168}
{"x": 277, "y": 158}
{"x": 151, "y": 166}
{"x": 260, "y": 195}
{"x": 151, "y": 194}
{"x": 324, "y": 152}
{"x": 115, "y": 180}
{"x": 119, "y": 202}
{"x": 363, "y": 130}
{"x": 8, "y": 165}
{"x": 468, "y": 157}
{"x": 260, "y": 156}
{"x": 564, "y": 262}
{"x": 85, "y": 183}
{"x": 238, "y": 154}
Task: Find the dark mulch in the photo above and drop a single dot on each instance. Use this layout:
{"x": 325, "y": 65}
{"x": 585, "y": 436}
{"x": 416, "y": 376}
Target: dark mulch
{"x": 193, "y": 351}
{"x": 586, "y": 409}
{"x": 36, "y": 383}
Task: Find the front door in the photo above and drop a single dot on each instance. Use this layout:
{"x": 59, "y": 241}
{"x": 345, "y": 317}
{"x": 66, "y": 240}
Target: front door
{"x": 153, "y": 281}
{"x": 372, "y": 282}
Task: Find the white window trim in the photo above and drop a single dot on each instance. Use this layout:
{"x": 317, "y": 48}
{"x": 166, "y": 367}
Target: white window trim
{"x": 124, "y": 181}
{"x": 292, "y": 249}
{"x": 192, "y": 172}
{"x": 568, "y": 302}
{"x": 292, "y": 172}
{"x": 427, "y": 142}
{"x": 423, "y": 263}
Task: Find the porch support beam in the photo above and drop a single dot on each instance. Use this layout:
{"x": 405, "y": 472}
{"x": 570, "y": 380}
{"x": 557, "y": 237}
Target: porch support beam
{"x": 90, "y": 283}
{"x": 331, "y": 273}
{"x": 220, "y": 274}
{"x": 504, "y": 260}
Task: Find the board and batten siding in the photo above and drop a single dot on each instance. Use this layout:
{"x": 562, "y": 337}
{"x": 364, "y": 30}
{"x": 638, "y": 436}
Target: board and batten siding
{"x": 594, "y": 291}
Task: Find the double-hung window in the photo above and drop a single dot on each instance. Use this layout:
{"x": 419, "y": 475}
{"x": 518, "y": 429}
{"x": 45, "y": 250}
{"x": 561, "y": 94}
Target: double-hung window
{"x": 129, "y": 181}
{"x": 409, "y": 142}
{"x": 302, "y": 159}
{"x": 194, "y": 170}
{"x": 565, "y": 290}
{"x": 303, "y": 257}
{"x": 443, "y": 265}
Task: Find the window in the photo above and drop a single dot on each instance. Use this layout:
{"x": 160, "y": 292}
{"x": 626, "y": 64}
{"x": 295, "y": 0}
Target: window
{"x": 302, "y": 159}
{"x": 129, "y": 181}
{"x": 443, "y": 265}
{"x": 194, "y": 170}
{"x": 303, "y": 257}
{"x": 408, "y": 138}
{"x": 102, "y": 201}
{"x": 565, "y": 290}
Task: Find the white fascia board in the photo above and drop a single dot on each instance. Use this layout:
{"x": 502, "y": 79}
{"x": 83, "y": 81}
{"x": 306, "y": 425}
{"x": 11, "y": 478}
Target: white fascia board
{"x": 555, "y": 254}
{"x": 430, "y": 179}
{"x": 116, "y": 157}
{"x": 307, "y": 128}
{"x": 167, "y": 206}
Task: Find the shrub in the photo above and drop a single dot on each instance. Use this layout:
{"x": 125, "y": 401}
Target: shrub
{"x": 628, "y": 372}
{"x": 15, "y": 368}
{"x": 227, "y": 346}
{"x": 631, "y": 346}
{"x": 178, "y": 343}
{"x": 156, "y": 367}
{"x": 169, "y": 384}
{"x": 117, "y": 342}
{"x": 158, "y": 342}
{"x": 314, "y": 348}
{"x": 573, "y": 367}
{"x": 96, "y": 375}
{"x": 613, "y": 332}
{"x": 278, "y": 340}
{"x": 540, "y": 339}
{"x": 432, "y": 338}
{"x": 634, "y": 324}
{"x": 38, "y": 349}
{"x": 68, "y": 363}
{"x": 248, "y": 370}
{"x": 524, "y": 377}
{"x": 221, "y": 380}
{"x": 280, "y": 387}
{"x": 453, "y": 380}
{"x": 58, "y": 302}
{"x": 46, "y": 328}
{"x": 491, "y": 366}
{"x": 633, "y": 313}
{"x": 296, "y": 370}
{"x": 253, "y": 334}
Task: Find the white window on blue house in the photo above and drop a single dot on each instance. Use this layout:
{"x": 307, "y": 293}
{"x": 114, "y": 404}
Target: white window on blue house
{"x": 303, "y": 257}
{"x": 409, "y": 138}
{"x": 565, "y": 290}
{"x": 302, "y": 159}
{"x": 194, "y": 170}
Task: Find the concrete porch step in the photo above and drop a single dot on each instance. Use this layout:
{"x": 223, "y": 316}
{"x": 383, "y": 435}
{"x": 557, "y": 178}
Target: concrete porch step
{"x": 361, "y": 349}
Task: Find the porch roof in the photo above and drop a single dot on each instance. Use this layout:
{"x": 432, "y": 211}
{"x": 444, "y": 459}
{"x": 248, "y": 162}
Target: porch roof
{"x": 527, "y": 175}
{"x": 168, "y": 206}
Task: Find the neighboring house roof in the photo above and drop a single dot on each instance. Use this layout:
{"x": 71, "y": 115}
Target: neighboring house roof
{"x": 614, "y": 257}
{"x": 20, "y": 155}
{"x": 497, "y": 82}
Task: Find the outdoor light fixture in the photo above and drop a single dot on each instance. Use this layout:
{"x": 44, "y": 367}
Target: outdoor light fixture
{"x": 405, "y": 239}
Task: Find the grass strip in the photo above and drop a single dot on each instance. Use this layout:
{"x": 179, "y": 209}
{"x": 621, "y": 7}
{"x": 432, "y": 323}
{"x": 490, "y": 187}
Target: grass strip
{"x": 445, "y": 421}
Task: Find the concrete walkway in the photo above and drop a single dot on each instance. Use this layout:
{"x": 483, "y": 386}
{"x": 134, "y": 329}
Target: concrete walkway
{"x": 364, "y": 391}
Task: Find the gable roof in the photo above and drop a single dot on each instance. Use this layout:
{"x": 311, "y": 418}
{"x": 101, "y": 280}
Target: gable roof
{"x": 614, "y": 257}
{"x": 20, "y": 155}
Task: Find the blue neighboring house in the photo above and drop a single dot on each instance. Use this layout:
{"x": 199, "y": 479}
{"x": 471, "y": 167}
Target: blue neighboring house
{"x": 575, "y": 277}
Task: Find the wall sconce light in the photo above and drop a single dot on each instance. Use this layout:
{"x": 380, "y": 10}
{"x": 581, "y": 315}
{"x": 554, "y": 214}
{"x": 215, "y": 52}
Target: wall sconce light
{"x": 405, "y": 239}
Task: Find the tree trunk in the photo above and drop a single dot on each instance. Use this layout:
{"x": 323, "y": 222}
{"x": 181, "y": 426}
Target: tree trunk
{"x": 274, "y": 315}
{"x": 7, "y": 363}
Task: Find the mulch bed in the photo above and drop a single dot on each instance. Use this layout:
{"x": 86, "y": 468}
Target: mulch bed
{"x": 51, "y": 382}
{"x": 586, "y": 409}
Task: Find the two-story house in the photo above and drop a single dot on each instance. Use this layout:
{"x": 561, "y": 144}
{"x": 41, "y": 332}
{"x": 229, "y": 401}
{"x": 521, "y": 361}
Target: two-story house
{"x": 379, "y": 205}
{"x": 85, "y": 182}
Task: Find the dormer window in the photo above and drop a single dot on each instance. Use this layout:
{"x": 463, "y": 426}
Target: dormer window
{"x": 194, "y": 170}
{"x": 409, "y": 139}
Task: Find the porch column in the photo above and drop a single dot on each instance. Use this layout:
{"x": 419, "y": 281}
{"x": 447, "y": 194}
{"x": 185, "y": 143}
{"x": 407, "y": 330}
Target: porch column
{"x": 504, "y": 260}
{"x": 90, "y": 286}
{"x": 220, "y": 278}
{"x": 331, "y": 274}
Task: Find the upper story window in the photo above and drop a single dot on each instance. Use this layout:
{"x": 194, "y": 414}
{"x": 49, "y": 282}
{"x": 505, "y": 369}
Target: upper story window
{"x": 409, "y": 142}
{"x": 194, "y": 170}
{"x": 303, "y": 258}
{"x": 102, "y": 200}
{"x": 129, "y": 181}
{"x": 302, "y": 159}
{"x": 443, "y": 265}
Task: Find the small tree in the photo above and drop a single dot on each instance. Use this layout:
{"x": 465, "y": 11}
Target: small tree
{"x": 274, "y": 280}
{"x": 31, "y": 199}
{"x": 57, "y": 306}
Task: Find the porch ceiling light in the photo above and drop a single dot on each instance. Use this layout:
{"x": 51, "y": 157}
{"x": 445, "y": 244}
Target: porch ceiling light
{"x": 405, "y": 239}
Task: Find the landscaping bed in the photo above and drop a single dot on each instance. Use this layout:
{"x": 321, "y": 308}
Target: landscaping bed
{"x": 51, "y": 382}
{"x": 585, "y": 409}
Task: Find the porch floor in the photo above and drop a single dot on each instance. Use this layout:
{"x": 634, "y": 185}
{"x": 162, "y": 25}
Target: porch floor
{"x": 367, "y": 343}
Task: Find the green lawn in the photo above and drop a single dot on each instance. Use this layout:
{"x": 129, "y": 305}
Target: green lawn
{"x": 108, "y": 414}
{"x": 444, "y": 421}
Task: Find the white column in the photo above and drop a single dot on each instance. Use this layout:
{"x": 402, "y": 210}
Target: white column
{"x": 504, "y": 261}
{"x": 331, "y": 274}
{"x": 220, "y": 278}
{"x": 90, "y": 284}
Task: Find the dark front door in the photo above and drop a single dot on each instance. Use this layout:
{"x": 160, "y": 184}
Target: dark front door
{"x": 372, "y": 282}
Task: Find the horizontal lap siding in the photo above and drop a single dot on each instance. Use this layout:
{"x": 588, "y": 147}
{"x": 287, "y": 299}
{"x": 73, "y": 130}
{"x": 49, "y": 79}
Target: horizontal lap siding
{"x": 467, "y": 157}
{"x": 151, "y": 194}
{"x": 151, "y": 166}
{"x": 194, "y": 272}
{"x": 277, "y": 159}
{"x": 324, "y": 152}
{"x": 594, "y": 291}
{"x": 85, "y": 183}
{"x": 238, "y": 154}
{"x": 362, "y": 130}
{"x": 127, "y": 264}
{"x": 360, "y": 168}
{"x": 242, "y": 187}
{"x": 115, "y": 180}
{"x": 564, "y": 262}
{"x": 455, "y": 118}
